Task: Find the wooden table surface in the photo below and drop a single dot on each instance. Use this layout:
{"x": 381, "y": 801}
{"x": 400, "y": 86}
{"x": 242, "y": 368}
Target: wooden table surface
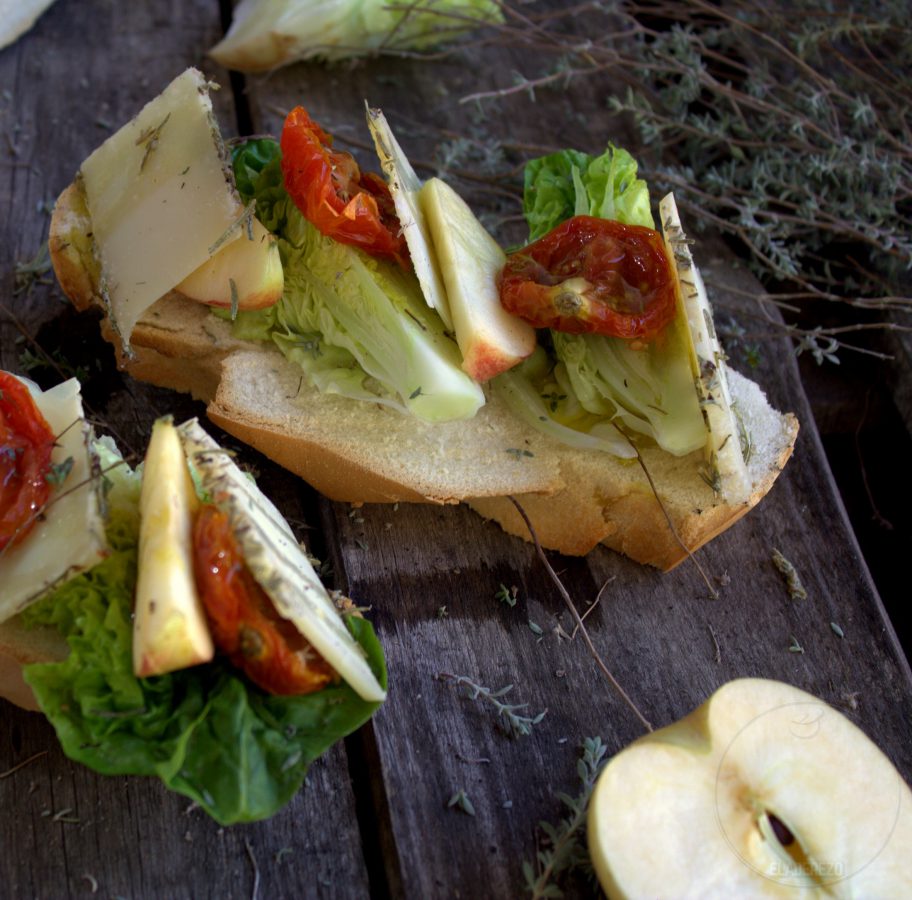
{"x": 374, "y": 816}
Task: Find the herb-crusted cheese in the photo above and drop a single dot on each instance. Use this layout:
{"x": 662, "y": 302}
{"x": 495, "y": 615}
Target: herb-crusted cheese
{"x": 70, "y": 536}
{"x": 726, "y": 470}
{"x": 405, "y": 186}
{"x": 161, "y": 198}
{"x": 277, "y": 562}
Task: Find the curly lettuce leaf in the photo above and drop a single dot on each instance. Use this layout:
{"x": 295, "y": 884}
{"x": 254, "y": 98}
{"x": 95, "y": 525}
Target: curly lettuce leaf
{"x": 206, "y": 732}
{"x": 358, "y": 326}
{"x": 572, "y": 183}
{"x": 607, "y": 383}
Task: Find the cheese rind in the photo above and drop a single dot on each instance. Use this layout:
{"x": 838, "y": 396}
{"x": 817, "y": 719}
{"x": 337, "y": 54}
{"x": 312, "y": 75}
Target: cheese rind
{"x": 727, "y": 470}
{"x": 71, "y": 537}
{"x": 161, "y": 197}
{"x": 405, "y": 186}
{"x": 277, "y": 562}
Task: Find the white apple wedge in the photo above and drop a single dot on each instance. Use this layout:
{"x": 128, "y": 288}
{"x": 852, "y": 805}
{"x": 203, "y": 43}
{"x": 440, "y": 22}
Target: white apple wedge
{"x": 169, "y": 625}
{"x": 245, "y": 274}
{"x": 491, "y": 339}
{"x": 763, "y": 791}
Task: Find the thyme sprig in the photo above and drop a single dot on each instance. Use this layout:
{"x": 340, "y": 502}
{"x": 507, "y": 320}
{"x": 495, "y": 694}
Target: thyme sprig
{"x": 784, "y": 125}
{"x": 564, "y": 848}
{"x": 511, "y": 718}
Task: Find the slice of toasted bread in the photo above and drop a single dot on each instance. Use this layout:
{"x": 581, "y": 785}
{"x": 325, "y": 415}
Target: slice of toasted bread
{"x": 361, "y": 452}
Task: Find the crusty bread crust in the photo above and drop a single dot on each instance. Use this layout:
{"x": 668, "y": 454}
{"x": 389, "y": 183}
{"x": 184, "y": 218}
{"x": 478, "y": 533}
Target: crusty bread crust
{"x": 20, "y": 646}
{"x": 361, "y": 452}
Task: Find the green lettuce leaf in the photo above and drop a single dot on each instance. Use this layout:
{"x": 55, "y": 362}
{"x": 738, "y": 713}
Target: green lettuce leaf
{"x": 571, "y": 183}
{"x": 356, "y": 325}
{"x": 206, "y": 732}
{"x": 605, "y": 383}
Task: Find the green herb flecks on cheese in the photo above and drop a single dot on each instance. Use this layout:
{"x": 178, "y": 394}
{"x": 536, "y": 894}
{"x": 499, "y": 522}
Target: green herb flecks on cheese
{"x": 405, "y": 186}
{"x": 161, "y": 197}
{"x": 277, "y": 561}
{"x": 69, "y": 536}
{"x": 726, "y": 470}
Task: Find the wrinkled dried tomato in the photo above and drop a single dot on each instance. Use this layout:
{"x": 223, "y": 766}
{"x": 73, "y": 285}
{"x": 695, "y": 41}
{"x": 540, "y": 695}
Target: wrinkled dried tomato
{"x": 26, "y": 444}
{"x": 245, "y": 625}
{"x": 592, "y": 275}
{"x": 331, "y": 191}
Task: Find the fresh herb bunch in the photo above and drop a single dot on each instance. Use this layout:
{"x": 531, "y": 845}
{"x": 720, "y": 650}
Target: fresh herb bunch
{"x": 791, "y": 124}
{"x": 784, "y": 125}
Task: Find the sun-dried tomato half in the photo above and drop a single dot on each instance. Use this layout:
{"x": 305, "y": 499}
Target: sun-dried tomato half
{"x": 26, "y": 444}
{"x": 245, "y": 625}
{"x": 331, "y": 191}
{"x": 592, "y": 275}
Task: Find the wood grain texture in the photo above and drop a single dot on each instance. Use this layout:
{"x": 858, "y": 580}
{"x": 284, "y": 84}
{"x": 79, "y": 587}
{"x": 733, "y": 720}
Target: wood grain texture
{"x": 375, "y": 817}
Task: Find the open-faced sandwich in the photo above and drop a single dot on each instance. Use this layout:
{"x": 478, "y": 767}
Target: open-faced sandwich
{"x": 377, "y": 341}
{"x": 167, "y": 622}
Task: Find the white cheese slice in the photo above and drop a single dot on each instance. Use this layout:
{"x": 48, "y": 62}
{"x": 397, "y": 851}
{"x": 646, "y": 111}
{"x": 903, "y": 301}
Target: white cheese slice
{"x": 276, "y": 560}
{"x": 161, "y": 198}
{"x": 405, "y": 185}
{"x": 726, "y": 468}
{"x": 70, "y": 537}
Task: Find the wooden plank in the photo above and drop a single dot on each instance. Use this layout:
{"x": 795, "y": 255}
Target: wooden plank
{"x": 86, "y": 68}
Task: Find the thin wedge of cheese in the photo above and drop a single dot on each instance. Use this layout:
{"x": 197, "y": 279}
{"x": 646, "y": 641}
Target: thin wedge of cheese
{"x": 276, "y": 560}
{"x": 405, "y": 186}
{"x": 161, "y": 199}
{"x": 726, "y": 469}
{"x": 70, "y": 536}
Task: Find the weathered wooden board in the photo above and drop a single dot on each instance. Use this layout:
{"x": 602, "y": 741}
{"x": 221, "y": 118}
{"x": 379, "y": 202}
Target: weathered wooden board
{"x": 375, "y": 817}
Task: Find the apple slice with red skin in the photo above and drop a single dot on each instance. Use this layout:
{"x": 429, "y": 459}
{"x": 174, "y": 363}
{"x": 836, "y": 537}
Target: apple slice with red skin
{"x": 491, "y": 339}
{"x": 245, "y": 274}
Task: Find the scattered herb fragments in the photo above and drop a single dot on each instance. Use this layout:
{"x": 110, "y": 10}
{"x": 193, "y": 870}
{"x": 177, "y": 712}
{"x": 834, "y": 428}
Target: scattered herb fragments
{"x": 512, "y": 721}
{"x": 564, "y": 847}
{"x": 461, "y": 801}
{"x": 508, "y": 595}
{"x": 784, "y": 126}
{"x": 792, "y": 581}
{"x": 837, "y": 630}
{"x": 31, "y": 272}
{"x": 794, "y": 646}
{"x": 59, "y": 472}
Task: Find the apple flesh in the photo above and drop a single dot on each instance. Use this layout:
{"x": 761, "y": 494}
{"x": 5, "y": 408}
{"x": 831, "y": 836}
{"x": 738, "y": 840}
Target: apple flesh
{"x": 763, "y": 791}
{"x": 169, "y": 624}
{"x": 245, "y": 274}
{"x": 491, "y": 339}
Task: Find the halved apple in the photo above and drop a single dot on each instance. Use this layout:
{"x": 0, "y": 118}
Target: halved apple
{"x": 491, "y": 339}
{"x": 169, "y": 624}
{"x": 245, "y": 274}
{"x": 763, "y": 791}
